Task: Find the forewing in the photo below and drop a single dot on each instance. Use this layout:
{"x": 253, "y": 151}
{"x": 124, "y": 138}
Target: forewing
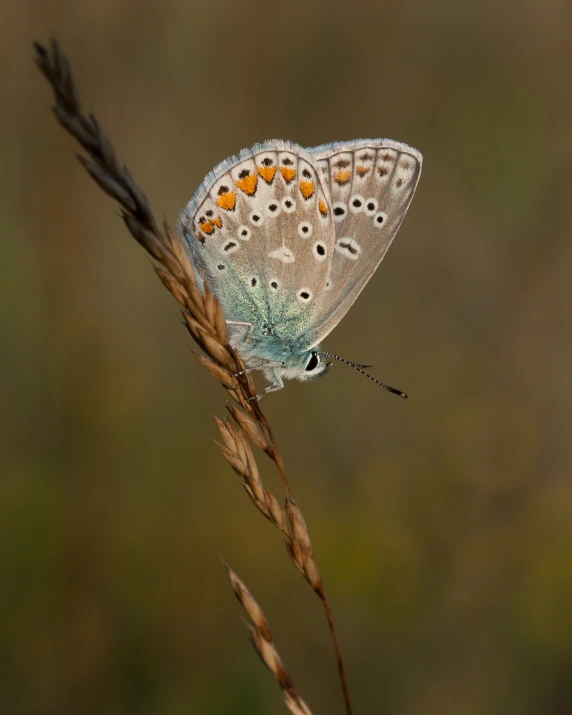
{"x": 260, "y": 233}
{"x": 370, "y": 184}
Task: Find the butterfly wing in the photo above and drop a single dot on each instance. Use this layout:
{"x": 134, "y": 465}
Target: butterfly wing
{"x": 260, "y": 233}
{"x": 370, "y": 185}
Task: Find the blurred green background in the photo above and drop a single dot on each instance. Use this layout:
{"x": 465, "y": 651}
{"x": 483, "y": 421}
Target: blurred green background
{"x": 443, "y": 525}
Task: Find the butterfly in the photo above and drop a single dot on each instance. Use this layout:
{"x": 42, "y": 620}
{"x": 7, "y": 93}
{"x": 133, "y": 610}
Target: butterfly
{"x": 287, "y": 237}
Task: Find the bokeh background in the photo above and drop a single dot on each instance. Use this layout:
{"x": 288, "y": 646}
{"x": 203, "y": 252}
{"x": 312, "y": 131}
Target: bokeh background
{"x": 443, "y": 525}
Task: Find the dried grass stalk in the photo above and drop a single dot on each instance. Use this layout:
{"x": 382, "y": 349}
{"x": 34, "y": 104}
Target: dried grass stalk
{"x": 204, "y": 319}
{"x": 261, "y": 637}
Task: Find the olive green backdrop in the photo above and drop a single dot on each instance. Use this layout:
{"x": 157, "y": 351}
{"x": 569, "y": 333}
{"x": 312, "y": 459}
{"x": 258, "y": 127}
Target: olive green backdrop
{"x": 443, "y": 525}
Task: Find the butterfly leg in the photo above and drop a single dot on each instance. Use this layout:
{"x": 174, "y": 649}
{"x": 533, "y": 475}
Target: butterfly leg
{"x": 277, "y": 385}
{"x": 262, "y": 365}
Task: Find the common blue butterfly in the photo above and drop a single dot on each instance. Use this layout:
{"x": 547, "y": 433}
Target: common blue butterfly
{"x": 287, "y": 238}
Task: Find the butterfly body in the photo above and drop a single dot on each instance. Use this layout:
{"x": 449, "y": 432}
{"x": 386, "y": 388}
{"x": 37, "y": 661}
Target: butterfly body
{"x": 262, "y": 347}
{"x": 287, "y": 238}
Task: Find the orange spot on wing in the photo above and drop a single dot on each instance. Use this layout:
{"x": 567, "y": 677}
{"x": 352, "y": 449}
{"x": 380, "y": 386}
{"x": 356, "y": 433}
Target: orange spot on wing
{"x": 227, "y": 201}
{"x": 322, "y": 208}
{"x": 287, "y": 173}
{"x": 363, "y": 170}
{"x": 201, "y": 237}
{"x": 267, "y": 173}
{"x": 207, "y": 227}
{"x": 217, "y": 222}
{"x": 342, "y": 177}
{"x": 248, "y": 184}
{"x": 307, "y": 189}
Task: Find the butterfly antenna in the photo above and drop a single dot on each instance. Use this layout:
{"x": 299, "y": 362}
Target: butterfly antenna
{"x": 358, "y": 367}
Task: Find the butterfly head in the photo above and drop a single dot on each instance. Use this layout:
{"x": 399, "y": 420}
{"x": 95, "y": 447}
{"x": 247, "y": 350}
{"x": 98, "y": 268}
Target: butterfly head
{"x": 304, "y": 366}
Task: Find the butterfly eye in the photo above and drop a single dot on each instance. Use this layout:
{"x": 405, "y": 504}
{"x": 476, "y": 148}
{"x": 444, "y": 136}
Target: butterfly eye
{"x": 313, "y": 362}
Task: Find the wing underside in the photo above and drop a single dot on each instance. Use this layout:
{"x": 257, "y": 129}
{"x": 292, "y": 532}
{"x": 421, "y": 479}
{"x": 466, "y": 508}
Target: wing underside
{"x": 290, "y": 236}
{"x": 371, "y": 184}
